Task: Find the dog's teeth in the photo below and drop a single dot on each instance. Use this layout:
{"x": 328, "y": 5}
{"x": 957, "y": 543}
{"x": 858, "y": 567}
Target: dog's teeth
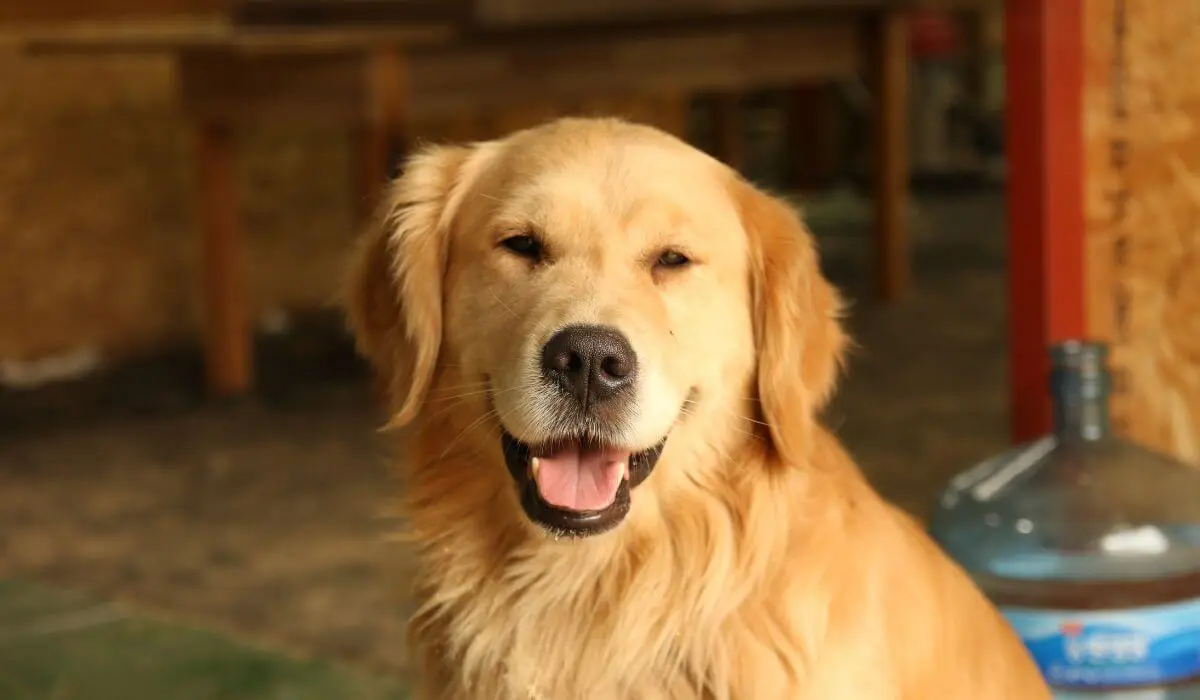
{"x": 533, "y": 466}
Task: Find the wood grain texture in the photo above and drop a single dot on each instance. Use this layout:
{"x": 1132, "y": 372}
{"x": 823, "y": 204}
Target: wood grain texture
{"x": 538, "y": 12}
{"x": 886, "y": 45}
{"x": 227, "y": 333}
{"x": 57, "y": 11}
{"x": 1142, "y": 155}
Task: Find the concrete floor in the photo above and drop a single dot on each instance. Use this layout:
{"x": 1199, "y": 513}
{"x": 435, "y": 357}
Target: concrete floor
{"x": 270, "y": 519}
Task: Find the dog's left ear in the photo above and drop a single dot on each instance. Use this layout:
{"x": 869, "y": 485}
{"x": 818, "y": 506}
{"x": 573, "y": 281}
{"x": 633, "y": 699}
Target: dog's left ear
{"x": 394, "y": 295}
{"x": 800, "y": 341}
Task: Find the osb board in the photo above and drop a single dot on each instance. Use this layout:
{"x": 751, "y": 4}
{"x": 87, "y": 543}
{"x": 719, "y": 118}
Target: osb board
{"x": 98, "y": 237}
{"x": 1142, "y": 130}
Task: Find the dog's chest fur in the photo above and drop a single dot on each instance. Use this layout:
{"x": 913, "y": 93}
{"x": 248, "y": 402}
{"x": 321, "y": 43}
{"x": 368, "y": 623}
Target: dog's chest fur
{"x": 550, "y": 622}
{"x": 693, "y": 599}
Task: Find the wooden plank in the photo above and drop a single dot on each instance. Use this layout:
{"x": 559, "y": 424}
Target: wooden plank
{"x": 886, "y": 44}
{"x": 1044, "y": 46}
{"x": 514, "y": 13}
{"x": 227, "y": 334}
{"x": 325, "y": 14}
{"x": 32, "y": 12}
{"x": 446, "y": 80}
{"x": 1142, "y": 159}
{"x": 218, "y": 35}
{"x": 484, "y": 12}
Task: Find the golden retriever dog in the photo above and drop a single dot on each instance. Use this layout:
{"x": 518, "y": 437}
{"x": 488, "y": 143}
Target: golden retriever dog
{"x": 610, "y": 353}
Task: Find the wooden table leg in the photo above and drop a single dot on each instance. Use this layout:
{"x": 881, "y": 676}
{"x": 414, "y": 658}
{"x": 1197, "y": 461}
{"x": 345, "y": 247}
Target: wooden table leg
{"x": 887, "y": 59}
{"x": 383, "y": 134}
{"x": 383, "y": 140}
{"x": 813, "y": 135}
{"x": 374, "y": 148}
{"x": 372, "y": 143}
{"x": 671, "y": 113}
{"x": 227, "y": 334}
{"x": 729, "y": 133}
{"x": 392, "y": 89}
{"x": 973, "y": 25}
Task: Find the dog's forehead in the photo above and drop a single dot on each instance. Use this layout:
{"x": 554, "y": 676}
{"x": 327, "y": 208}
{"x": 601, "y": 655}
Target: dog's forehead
{"x": 631, "y": 182}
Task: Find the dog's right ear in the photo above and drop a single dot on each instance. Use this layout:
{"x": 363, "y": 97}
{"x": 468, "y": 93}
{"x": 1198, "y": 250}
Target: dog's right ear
{"x": 394, "y": 295}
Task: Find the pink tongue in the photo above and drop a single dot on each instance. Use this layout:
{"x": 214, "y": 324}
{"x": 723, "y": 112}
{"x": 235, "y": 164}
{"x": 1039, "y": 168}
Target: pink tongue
{"x": 580, "y": 480}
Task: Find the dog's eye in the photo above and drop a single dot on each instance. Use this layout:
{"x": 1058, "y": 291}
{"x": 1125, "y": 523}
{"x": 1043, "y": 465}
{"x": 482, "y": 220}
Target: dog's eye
{"x": 525, "y": 245}
{"x": 672, "y": 259}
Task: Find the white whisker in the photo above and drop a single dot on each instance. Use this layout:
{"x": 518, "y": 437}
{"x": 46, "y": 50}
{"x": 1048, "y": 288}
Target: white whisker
{"x": 501, "y": 302}
{"x": 473, "y": 425}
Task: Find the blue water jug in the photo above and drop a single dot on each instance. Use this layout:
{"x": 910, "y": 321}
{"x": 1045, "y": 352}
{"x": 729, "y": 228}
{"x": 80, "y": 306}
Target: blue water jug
{"x": 1089, "y": 545}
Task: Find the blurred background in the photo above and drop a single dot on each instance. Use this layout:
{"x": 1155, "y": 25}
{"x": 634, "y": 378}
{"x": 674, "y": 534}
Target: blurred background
{"x": 194, "y": 502}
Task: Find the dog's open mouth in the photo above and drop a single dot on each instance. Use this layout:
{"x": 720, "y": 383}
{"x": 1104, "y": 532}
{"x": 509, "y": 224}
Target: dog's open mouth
{"x": 576, "y": 487}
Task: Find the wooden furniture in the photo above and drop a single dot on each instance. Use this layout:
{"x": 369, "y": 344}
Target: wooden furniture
{"x": 242, "y": 64}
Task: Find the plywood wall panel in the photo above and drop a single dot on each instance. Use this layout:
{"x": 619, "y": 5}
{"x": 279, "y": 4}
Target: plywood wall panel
{"x": 1142, "y": 141}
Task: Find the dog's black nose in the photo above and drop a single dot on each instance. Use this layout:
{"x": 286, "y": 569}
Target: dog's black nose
{"x": 593, "y": 363}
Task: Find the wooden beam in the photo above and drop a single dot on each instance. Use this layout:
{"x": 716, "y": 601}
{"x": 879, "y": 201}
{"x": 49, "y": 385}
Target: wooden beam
{"x": 323, "y": 14}
{"x": 515, "y": 13}
{"x": 887, "y": 72}
{"x": 217, "y": 35}
{"x": 1044, "y": 58}
{"x": 57, "y": 11}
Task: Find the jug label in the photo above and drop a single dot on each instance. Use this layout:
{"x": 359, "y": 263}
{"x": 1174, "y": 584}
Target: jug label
{"x": 1095, "y": 649}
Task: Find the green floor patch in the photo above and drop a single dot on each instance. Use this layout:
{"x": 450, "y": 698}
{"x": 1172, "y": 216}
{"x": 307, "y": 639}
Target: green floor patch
{"x": 59, "y": 646}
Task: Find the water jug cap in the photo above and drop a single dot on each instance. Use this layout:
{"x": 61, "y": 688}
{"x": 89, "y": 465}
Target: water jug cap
{"x": 1085, "y": 357}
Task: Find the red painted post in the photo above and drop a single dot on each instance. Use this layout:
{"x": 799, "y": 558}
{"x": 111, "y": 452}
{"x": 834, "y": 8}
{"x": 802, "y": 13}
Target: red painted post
{"x": 1044, "y": 94}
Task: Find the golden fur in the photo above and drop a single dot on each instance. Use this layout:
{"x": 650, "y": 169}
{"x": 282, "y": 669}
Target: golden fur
{"x": 755, "y": 562}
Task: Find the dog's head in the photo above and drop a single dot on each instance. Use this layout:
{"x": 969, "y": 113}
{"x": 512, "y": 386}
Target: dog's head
{"x": 594, "y": 296}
